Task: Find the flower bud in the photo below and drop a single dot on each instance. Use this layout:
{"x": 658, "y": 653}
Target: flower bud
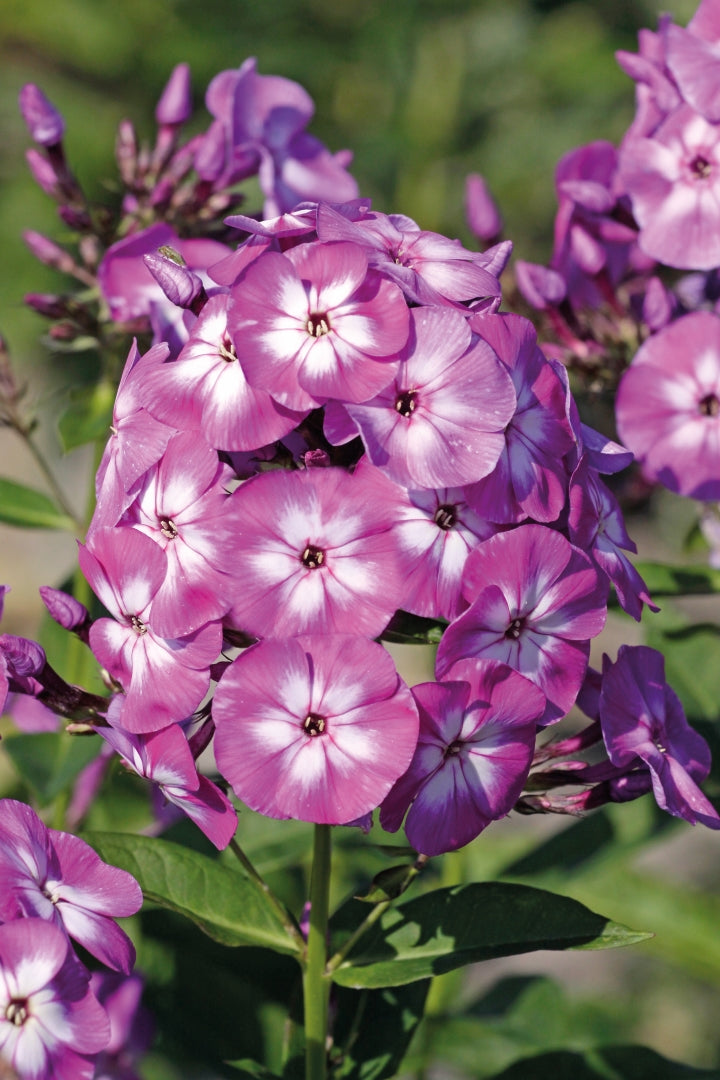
{"x": 44, "y": 173}
{"x": 211, "y": 154}
{"x": 47, "y": 304}
{"x": 126, "y": 151}
{"x": 175, "y": 104}
{"x": 540, "y": 286}
{"x": 181, "y": 286}
{"x": 481, "y": 211}
{"x": 23, "y": 657}
{"x": 44, "y": 122}
{"x": 65, "y": 609}
{"x": 76, "y": 218}
{"x": 48, "y": 252}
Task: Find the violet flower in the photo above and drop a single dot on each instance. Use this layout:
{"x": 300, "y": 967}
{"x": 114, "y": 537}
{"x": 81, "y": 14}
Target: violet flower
{"x": 643, "y": 720}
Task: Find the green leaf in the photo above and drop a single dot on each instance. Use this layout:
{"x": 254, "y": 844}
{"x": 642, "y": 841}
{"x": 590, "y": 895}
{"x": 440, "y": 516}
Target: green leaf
{"x": 374, "y": 1028}
{"x": 449, "y": 928}
{"x": 663, "y": 580}
{"x": 49, "y": 761}
{"x": 252, "y": 1069}
{"x": 30, "y": 509}
{"x": 88, "y": 417}
{"x": 226, "y": 905}
{"x": 697, "y": 684}
{"x": 608, "y": 1063}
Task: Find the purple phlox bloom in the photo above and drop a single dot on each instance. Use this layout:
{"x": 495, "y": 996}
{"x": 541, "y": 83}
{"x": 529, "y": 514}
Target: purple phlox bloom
{"x": 132, "y": 292}
{"x": 436, "y": 530}
{"x": 131, "y": 1025}
{"x": 594, "y": 233}
{"x": 182, "y": 286}
{"x": 183, "y": 506}
{"x": 643, "y": 721}
{"x": 165, "y": 758}
{"x": 206, "y": 389}
{"x": 596, "y": 526}
{"x": 673, "y": 180}
{"x": 30, "y": 715}
{"x": 316, "y": 728}
{"x": 668, "y": 406}
{"x": 136, "y": 442}
{"x": 428, "y": 267}
{"x": 540, "y": 286}
{"x": 319, "y": 553}
{"x": 51, "y": 1024}
{"x": 530, "y": 479}
{"x": 603, "y": 454}
{"x": 313, "y": 323}
{"x": 164, "y": 672}
{"x": 481, "y": 210}
{"x": 441, "y": 422}
{"x": 660, "y": 305}
{"x": 56, "y": 876}
{"x": 472, "y": 759}
{"x": 656, "y": 93}
{"x": 263, "y": 118}
{"x": 535, "y": 602}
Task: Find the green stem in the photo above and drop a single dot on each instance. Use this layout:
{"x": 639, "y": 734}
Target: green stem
{"x": 284, "y": 916}
{"x": 58, "y": 494}
{"x": 316, "y": 984}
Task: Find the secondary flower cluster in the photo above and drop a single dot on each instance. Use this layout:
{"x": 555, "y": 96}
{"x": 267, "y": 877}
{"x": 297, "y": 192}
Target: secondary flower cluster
{"x": 625, "y": 216}
{"x": 56, "y": 891}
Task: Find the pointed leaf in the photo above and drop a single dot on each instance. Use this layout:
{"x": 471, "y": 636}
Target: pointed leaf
{"x": 607, "y": 1063}
{"x": 252, "y": 1069}
{"x": 449, "y": 928}
{"x": 663, "y": 580}
{"x": 30, "y": 509}
{"x": 387, "y": 885}
{"x": 224, "y": 903}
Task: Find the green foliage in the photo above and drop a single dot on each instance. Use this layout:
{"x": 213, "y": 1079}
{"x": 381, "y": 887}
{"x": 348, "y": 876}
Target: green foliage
{"x": 48, "y": 762}
{"x": 225, "y": 904}
{"x": 30, "y": 509}
{"x": 449, "y": 928}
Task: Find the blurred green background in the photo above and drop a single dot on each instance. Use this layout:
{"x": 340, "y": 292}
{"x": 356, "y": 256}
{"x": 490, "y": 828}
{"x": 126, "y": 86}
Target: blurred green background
{"x": 423, "y": 92}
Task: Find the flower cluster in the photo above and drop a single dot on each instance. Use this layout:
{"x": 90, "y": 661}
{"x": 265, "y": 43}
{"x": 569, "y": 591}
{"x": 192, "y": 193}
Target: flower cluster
{"x": 334, "y": 435}
{"x": 57, "y": 891}
{"x": 627, "y": 218}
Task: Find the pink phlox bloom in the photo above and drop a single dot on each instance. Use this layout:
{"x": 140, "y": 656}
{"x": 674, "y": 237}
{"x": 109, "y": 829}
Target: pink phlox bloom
{"x": 694, "y": 62}
{"x": 51, "y": 1024}
{"x": 596, "y": 526}
{"x": 30, "y": 715}
{"x": 184, "y": 508}
{"x": 428, "y": 267}
{"x": 530, "y": 479}
{"x": 136, "y": 442}
{"x": 318, "y": 553}
{"x": 131, "y": 1025}
{"x": 668, "y": 406}
{"x": 656, "y": 92}
{"x": 165, "y": 758}
{"x": 164, "y": 673}
{"x": 313, "y": 323}
{"x": 206, "y": 389}
{"x": 535, "y": 602}
{"x": 474, "y": 751}
{"x": 436, "y": 531}
{"x": 673, "y": 180}
{"x": 441, "y": 422}
{"x": 56, "y": 876}
{"x": 643, "y": 720}
{"x": 316, "y": 728}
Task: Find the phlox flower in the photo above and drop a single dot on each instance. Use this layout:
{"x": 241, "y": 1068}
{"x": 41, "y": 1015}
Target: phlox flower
{"x": 163, "y": 671}
{"x": 441, "y": 421}
{"x": 474, "y": 751}
{"x": 312, "y": 324}
{"x": 668, "y": 406}
{"x": 437, "y": 529}
{"x": 51, "y": 1024}
{"x": 57, "y": 876}
{"x": 131, "y": 1025}
{"x": 535, "y": 602}
{"x": 643, "y": 721}
{"x": 317, "y": 553}
{"x": 184, "y": 508}
{"x": 206, "y": 389}
{"x": 316, "y": 728}
{"x": 428, "y": 267}
{"x": 165, "y": 758}
{"x": 530, "y": 479}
